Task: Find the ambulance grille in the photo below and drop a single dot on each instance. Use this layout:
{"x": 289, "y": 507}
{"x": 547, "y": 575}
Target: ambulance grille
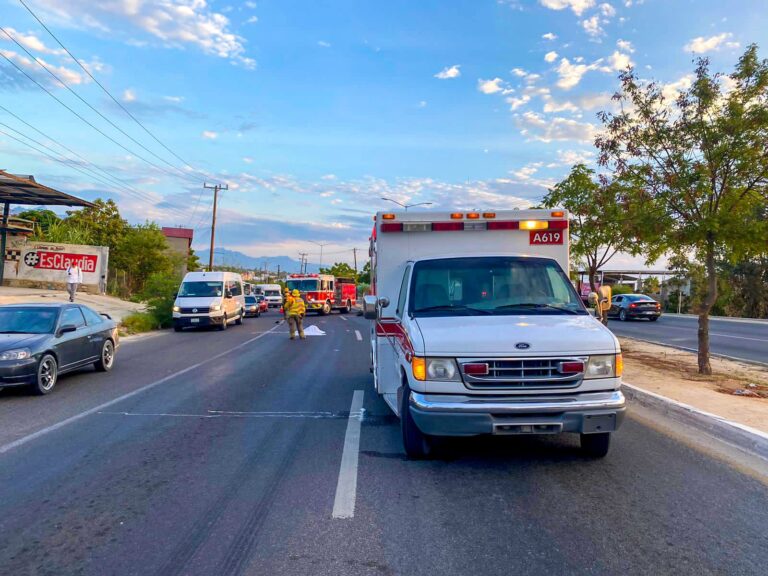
{"x": 522, "y": 373}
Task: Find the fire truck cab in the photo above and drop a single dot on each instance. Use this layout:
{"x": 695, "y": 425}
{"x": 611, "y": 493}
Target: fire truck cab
{"x": 324, "y": 292}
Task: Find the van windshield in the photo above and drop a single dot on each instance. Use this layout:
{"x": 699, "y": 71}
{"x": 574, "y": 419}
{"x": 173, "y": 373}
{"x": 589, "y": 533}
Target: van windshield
{"x": 200, "y": 289}
{"x": 271, "y": 292}
{"x": 303, "y": 285}
{"x": 497, "y": 286}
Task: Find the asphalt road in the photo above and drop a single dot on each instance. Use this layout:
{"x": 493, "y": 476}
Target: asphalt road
{"x": 232, "y": 467}
{"x": 742, "y": 340}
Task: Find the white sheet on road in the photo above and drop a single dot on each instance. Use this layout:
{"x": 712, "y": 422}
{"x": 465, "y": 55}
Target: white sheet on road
{"x": 313, "y": 331}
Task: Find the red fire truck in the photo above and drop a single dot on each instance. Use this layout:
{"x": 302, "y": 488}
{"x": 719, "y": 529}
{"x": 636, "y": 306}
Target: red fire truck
{"x": 324, "y": 292}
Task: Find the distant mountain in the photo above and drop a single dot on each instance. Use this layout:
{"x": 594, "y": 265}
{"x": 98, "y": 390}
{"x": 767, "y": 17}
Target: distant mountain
{"x": 224, "y": 257}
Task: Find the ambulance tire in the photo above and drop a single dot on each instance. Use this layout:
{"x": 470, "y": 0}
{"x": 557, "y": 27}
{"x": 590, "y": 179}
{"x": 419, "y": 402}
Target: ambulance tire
{"x": 596, "y": 445}
{"x": 347, "y": 308}
{"x": 417, "y": 445}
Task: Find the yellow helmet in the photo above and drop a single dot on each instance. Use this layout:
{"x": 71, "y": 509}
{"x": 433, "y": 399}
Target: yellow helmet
{"x": 295, "y": 293}
{"x": 286, "y": 291}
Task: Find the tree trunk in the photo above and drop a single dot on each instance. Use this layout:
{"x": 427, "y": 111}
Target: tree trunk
{"x": 706, "y": 307}
{"x": 592, "y": 274}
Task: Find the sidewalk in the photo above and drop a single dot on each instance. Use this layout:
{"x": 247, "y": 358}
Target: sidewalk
{"x": 115, "y": 307}
{"x": 737, "y": 392}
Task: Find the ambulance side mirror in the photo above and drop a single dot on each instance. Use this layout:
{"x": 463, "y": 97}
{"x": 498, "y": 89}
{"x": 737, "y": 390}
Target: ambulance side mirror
{"x": 370, "y": 307}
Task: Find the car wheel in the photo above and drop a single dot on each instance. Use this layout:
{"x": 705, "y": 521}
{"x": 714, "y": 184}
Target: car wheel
{"x": 596, "y": 445}
{"x": 47, "y": 375}
{"x": 224, "y": 323}
{"x": 104, "y": 364}
{"x": 623, "y": 315}
{"x": 417, "y": 445}
{"x": 653, "y": 318}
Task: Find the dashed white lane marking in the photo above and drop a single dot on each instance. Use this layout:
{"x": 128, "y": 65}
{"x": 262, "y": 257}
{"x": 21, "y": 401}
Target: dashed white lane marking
{"x": 346, "y": 488}
{"x": 358, "y": 336}
{"x": 233, "y": 414}
{"x": 23, "y": 440}
{"x": 342, "y": 317}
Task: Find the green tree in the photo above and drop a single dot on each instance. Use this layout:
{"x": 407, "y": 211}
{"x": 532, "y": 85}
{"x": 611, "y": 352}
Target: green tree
{"x": 365, "y": 275}
{"x": 700, "y": 165}
{"x": 651, "y": 285}
{"x": 340, "y": 270}
{"x": 43, "y": 218}
{"x": 597, "y": 221}
{"x": 193, "y": 261}
{"x": 103, "y": 222}
{"x": 141, "y": 252}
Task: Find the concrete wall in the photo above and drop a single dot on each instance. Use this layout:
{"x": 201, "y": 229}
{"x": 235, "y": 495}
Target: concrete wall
{"x": 44, "y": 265}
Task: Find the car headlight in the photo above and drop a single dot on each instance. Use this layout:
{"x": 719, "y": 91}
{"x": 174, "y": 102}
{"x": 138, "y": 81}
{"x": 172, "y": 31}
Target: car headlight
{"x": 215, "y": 307}
{"x": 253, "y": 308}
{"x": 604, "y": 366}
{"x": 443, "y": 369}
{"x": 18, "y": 354}
{"x": 176, "y": 309}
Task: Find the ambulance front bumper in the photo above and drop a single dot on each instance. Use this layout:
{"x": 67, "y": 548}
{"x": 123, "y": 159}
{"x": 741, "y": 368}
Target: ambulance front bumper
{"x": 455, "y": 415}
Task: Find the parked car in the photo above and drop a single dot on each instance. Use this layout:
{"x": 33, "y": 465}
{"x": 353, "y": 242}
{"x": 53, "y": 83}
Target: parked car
{"x": 263, "y": 303}
{"x": 38, "y": 342}
{"x": 628, "y": 306}
{"x": 252, "y": 307}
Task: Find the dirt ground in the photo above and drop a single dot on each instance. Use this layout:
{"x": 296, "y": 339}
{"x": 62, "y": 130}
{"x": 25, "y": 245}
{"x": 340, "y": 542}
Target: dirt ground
{"x": 736, "y": 391}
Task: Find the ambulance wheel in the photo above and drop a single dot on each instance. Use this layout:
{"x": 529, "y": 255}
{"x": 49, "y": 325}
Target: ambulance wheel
{"x": 596, "y": 445}
{"x": 418, "y": 445}
{"x": 348, "y": 308}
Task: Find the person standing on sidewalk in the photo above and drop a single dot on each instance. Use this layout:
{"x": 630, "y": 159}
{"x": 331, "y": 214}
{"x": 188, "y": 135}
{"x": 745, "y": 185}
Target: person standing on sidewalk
{"x": 74, "y": 279}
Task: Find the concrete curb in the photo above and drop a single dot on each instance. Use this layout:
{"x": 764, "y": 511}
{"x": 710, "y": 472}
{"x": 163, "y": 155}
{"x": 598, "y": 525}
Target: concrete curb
{"x": 743, "y": 437}
{"x": 723, "y": 318}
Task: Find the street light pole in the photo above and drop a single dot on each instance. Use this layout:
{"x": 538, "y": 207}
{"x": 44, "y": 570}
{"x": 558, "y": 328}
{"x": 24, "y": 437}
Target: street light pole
{"x": 321, "y": 250}
{"x": 406, "y": 206}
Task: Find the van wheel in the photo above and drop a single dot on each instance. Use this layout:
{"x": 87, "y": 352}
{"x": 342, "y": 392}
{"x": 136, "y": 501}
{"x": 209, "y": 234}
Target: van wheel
{"x": 596, "y": 445}
{"x": 418, "y": 445}
{"x": 239, "y": 320}
{"x": 225, "y": 323}
{"x": 348, "y": 308}
{"x": 47, "y": 375}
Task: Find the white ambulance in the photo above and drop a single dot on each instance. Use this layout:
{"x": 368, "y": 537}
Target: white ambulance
{"x": 478, "y": 330}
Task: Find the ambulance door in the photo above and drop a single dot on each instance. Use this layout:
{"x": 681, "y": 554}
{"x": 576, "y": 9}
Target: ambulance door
{"x": 391, "y": 343}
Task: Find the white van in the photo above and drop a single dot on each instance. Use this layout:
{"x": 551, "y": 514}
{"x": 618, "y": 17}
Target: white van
{"x": 272, "y": 293}
{"x": 209, "y": 299}
{"x": 478, "y": 330}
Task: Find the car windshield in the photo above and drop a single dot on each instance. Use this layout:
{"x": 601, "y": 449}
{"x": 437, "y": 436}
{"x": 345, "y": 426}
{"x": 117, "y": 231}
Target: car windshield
{"x": 250, "y": 300}
{"x": 312, "y": 285}
{"x": 491, "y": 286}
{"x": 27, "y": 320}
{"x": 200, "y": 289}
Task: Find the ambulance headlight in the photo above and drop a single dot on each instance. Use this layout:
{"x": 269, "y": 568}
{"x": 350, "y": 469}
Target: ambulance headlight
{"x": 604, "y": 366}
{"x": 442, "y": 369}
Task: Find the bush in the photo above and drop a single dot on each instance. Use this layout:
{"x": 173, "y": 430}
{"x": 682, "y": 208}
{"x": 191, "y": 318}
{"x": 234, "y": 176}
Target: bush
{"x": 138, "y": 322}
{"x": 159, "y": 294}
{"x": 621, "y": 289}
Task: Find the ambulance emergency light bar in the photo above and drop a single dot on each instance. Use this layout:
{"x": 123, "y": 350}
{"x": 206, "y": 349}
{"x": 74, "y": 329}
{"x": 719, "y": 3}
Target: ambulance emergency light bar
{"x": 458, "y": 223}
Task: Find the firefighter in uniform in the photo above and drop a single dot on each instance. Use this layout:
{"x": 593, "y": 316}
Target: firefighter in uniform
{"x": 296, "y": 313}
{"x": 286, "y": 298}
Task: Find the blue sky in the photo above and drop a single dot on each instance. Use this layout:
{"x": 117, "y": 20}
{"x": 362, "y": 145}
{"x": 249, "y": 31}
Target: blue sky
{"x": 312, "y": 110}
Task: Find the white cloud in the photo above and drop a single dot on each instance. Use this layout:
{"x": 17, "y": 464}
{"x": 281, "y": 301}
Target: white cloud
{"x": 527, "y": 171}
{"x": 449, "y": 72}
{"x": 572, "y": 157}
{"x": 547, "y": 129}
{"x": 250, "y": 4}
{"x": 68, "y": 76}
{"x": 570, "y": 74}
{"x": 252, "y": 20}
{"x": 323, "y": 44}
{"x": 607, "y": 10}
{"x": 208, "y": 135}
{"x": 553, "y": 106}
{"x": 31, "y": 42}
{"x": 519, "y": 72}
{"x": 625, "y": 45}
{"x": 618, "y": 61}
{"x": 129, "y": 95}
{"x": 174, "y": 99}
{"x": 175, "y": 23}
{"x": 578, "y": 6}
{"x": 328, "y": 177}
{"x": 515, "y": 103}
{"x": 672, "y": 90}
{"x": 549, "y": 36}
{"x": 592, "y": 26}
{"x": 422, "y": 103}
{"x": 702, "y": 44}
{"x": 550, "y": 56}
{"x": 247, "y": 159}
{"x": 490, "y": 86}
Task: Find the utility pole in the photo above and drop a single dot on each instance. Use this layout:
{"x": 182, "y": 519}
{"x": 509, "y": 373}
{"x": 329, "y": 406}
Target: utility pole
{"x": 354, "y": 251}
{"x": 302, "y": 261}
{"x": 215, "y": 188}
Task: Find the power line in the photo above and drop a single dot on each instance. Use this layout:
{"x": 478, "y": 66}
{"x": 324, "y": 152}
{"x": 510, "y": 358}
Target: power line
{"x": 165, "y": 170}
{"x": 107, "y": 92}
{"x": 94, "y": 167}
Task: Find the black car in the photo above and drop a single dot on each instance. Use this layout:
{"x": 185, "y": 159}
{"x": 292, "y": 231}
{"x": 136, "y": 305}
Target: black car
{"x": 252, "y": 307}
{"x": 628, "y": 306}
{"x": 40, "y": 341}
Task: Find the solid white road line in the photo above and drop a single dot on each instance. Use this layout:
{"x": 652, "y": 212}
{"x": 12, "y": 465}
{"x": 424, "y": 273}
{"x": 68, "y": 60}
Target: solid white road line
{"x": 358, "y": 336}
{"x": 23, "y": 440}
{"x": 738, "y": 337}
{"x": 346, "y": 488}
